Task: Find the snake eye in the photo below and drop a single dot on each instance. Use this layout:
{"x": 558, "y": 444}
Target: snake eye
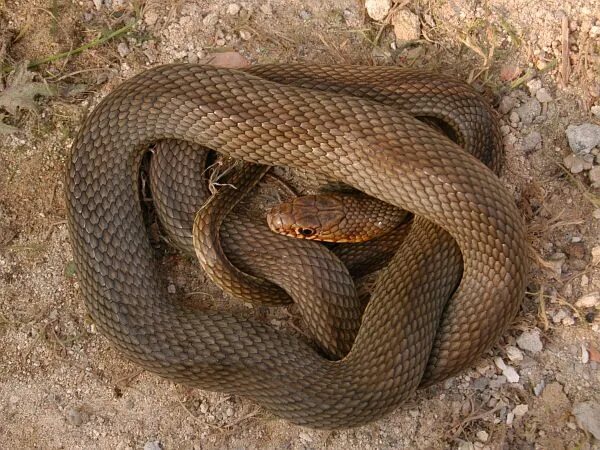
{"x": 306, "y": 231}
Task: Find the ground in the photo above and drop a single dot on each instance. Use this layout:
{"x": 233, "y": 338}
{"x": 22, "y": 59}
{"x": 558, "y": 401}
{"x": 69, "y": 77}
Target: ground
{"x": 63, "y": 386}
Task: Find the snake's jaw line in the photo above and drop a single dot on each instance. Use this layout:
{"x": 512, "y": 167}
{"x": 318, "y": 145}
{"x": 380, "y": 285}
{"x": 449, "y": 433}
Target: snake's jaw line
{"x": 416, "y": 330}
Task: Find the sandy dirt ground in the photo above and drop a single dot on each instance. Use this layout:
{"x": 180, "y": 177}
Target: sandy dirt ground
{"x": 63, "y": 386}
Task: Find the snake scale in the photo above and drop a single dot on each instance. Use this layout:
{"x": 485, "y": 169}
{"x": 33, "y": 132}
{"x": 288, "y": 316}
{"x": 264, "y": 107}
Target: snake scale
{"x": 356, "y": 125}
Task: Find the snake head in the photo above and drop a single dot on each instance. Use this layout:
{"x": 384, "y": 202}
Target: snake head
{"x": 314, "y": 217}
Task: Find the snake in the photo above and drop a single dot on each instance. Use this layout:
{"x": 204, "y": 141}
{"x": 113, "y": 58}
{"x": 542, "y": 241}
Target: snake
{"x": 448, "y": 293}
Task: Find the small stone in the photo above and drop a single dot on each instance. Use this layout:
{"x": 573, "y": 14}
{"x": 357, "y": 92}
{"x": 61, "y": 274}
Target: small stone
{"x": 543, "y": 96}
{"x": 513, "y": 353}
{"x": 534, "y": 85}
{"x": 508, "y": 371}
{"x": 560, "y": 315}
{"x": 589, "y": 300}
{"x": 305, "y": 437}
{"x": 123, "y": 49}
{"x": 514, "y": 117}
{"x": 203, "y": 408}
{"x": 407, "y": 26}
{"x": 530, "y": 341}
{"x": 595, "y": 110}
{"x": 596, "y": 213}
{"x": 482, "y": 435}
{"x": 594, "y": 175}
{"x": 507, "y": 103}
{"x": 76, "y": 417}
{"x": 481, "y": 383}
{"x": 596, "y": 255}
{"x": 304, "y": 14}
{"x": 509, "y": 72}
{"x": 538, "y": 388}
{"x": 210, "y": 20}
{"x": 497, "y": 382}
{"x": 153, "y": 445}
{"x": 531, "y": 142}
{"x": 583, "y": 138}
{"x": 587, "y": 416}
{"x": 585, "y": 355}
{"x": 574, "y": 163}
{"x": 150, "y": 17}
{"x": 245, "y": 35}
{"x": 510, "y": 417}
{"x": 465, "y": 445}
{"x": 584, "y": 280}
{"x": 266, "y": 9}
{"x": 378, "y": 9}
{"x": 529, "y": 110}
{"x": 575, "y": 250}
{"x": 233, "y": 9}
{"x": 171, "y": 289}
{"x": 520, "y": 410}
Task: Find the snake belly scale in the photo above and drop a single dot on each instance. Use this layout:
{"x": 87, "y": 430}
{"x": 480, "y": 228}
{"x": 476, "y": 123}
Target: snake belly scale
{"x": 410, "y": 335}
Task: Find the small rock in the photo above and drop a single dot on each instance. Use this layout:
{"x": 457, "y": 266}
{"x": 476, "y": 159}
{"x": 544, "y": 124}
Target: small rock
{"x": 482, "y": 435}
{"x": 304, "y": 14}
{"x": 514, "y": 117}
{"x": 575, "y": 163}
{"x": 583, "y": 138}
{"x": 510, "y": 417}
{"x": 529, "y": 110}
{"x": 233, "y": 9}
{"x": 595, "y": 176}
{"x": 531, "y": 142}
{"x": 538, "y": 388}
{"x": 466, "y": 445}
{"x": 585, "y": 355}
{"x": 481, "y": 383}
{"x": 378, "y": 9}
{"x": 76, "y": 417}
{"x": 509, "y": 72}
{"x": 507, "y": 103}
{"x": 210, "y": 20}
{"x": 520, "y": 410}
{"x": 266, "y": 9}
{"x": 123, "y": 49}
{"x": 596, "y": 213}
{"x": 543, "y": 96}
{"x": 171, "y": 289}
{"x": 508, "y": 371}
{"x": 595, "y": 110}
{"x": 513, "y": 353}
{"x": 587, "y": 416}
{"x": 245, "y": 35}
{"x": 534, "y": 85}
{"x": 150, "y": 17}
{"x": 530, "y": 341}
{"x": 589, "y": 300}
{"x": 407, "y": 26}
{"x": 305, "y": 437}
{"x": 584, "y": 280}
{"x": 153, "y": 445}
{"x": 560, "y": 315}
{"x": 498, "y": 382}
{"x": 596, "y": 255}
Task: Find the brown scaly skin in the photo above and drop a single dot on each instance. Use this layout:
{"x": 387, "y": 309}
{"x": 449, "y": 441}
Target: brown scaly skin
{"x": 410, "y": 333}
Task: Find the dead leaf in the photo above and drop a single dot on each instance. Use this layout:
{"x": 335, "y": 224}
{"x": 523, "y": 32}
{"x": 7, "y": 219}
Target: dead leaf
{"x": 229, "y": 60}
{"x": 21, "y": 91}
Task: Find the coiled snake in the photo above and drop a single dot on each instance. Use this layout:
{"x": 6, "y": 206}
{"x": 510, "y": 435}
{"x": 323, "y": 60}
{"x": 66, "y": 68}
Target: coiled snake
{"x": 352, "y": 124}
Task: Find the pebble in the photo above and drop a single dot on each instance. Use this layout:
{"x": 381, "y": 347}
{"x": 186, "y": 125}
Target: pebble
{"x": 378, "y": 9}
{"x": 587, "y": 416}
{"x": 153, "y": 445}
{"x": 520, "y": 410}
{"x": 589, "y": 300}
{"x": 483, "y": 435}
{"x": 508, "y": 371}
{"x": 266, "y": 9}
{"x": 578, "y": 163}
{"x": 595, "y": 176}
{"x": 529, "y": 110}
{"x": 305, "y": 437}
{"x": 555, "y": 263}
{"x": 466, "y": 445}
{"x": 171, "y": 289}
{"x": 583, "y": 138}
{"x": 530, "y": 341}
{"x": 532, "y": 141}
{"x": 596, "y": 255}
{"x": 233, "y": 9}
{"x": 595, "y": 110}
{"x": 499, "y": 381}
{"x": 575, "y": 250}
{"x": 539, "y": 388}
{"x": 123, "y": 49}
{"x": 543, "y": 96}
{"x": 514, "y": 117}
{"x": 407, "y": 26}
{"x": 509, "y": 418}
{"x": 507, "y": 103}
{"x": 513, "y": 353}
{"x": 585, "y": 355}
{"x": 596, "y": 213}
{"x": 304, "y": 14}
{"x": 76, "y": 417}
{"x": 245, "y": 35}
{"x": 534, "y": 85}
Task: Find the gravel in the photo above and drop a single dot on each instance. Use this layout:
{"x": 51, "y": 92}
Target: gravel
{"x": 583, "y": 138}
{"x": 530, "y": 341}
{"x": 529, "y": 110}
{"x": 378, "y": 9}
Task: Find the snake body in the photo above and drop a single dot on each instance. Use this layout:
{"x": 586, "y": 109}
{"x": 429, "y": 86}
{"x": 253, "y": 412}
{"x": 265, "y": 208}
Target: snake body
{"x": 309, "y": 118}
